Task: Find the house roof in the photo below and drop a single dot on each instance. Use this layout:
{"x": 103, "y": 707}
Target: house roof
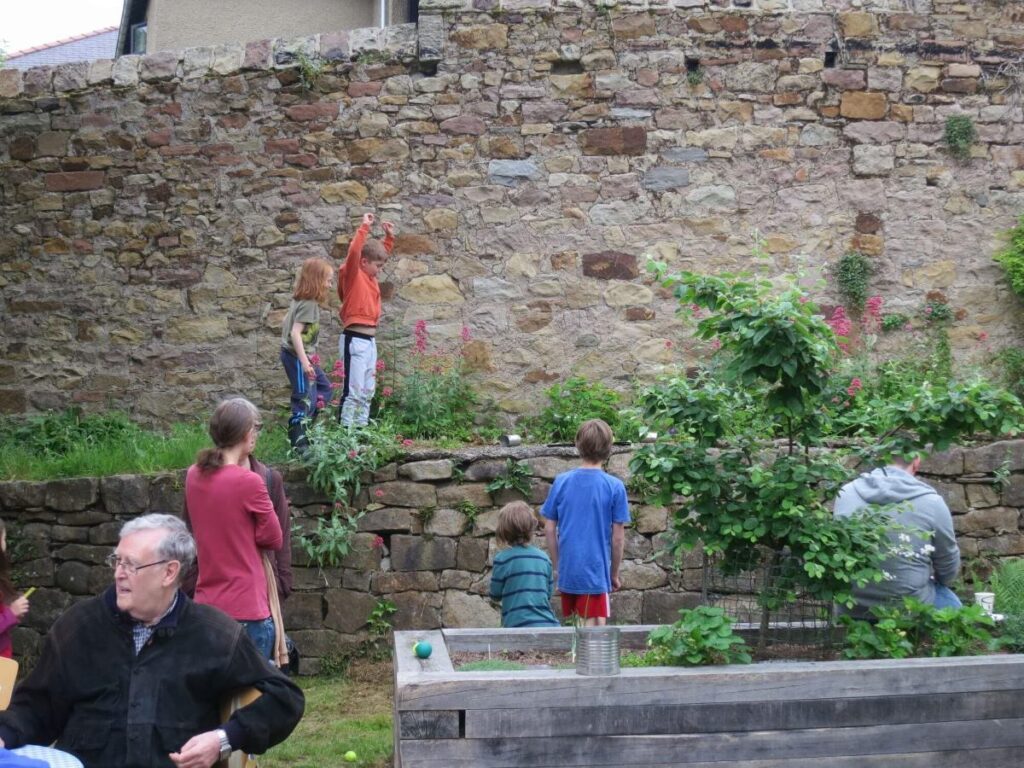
{"x": 98, "y": 44}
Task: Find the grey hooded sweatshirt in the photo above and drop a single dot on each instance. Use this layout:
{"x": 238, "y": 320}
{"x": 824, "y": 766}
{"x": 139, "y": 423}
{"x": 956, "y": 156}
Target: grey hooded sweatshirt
{"x": 926, "y": 552}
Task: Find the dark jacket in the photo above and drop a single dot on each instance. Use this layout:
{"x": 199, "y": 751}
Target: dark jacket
{"x": 111, "y": 708}
{"x": 281, "y": 558}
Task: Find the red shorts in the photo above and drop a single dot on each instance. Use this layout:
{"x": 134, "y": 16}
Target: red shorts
{"x": 586, "y": 606}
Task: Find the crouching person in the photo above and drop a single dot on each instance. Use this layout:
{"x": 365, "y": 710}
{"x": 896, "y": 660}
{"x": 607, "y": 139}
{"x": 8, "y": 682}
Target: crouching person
{"x": 136, "y": 677}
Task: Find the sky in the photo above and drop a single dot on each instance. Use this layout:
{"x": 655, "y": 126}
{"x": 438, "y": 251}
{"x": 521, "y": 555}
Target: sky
{"x": 26, "y": 23}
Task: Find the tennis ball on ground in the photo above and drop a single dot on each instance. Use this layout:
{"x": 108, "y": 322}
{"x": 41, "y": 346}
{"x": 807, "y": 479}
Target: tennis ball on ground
{"x": 423, "y": 649}
{"x": 351, "y": 756}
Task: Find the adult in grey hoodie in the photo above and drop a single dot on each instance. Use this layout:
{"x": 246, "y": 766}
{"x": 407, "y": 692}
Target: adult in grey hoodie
{"x": 925, "y": 558}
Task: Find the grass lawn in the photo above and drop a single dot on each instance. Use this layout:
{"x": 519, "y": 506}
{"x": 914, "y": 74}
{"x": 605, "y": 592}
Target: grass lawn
{"x": 342, "y": 713}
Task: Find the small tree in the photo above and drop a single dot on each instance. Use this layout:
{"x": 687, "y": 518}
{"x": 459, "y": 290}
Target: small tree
{"x": 742, "y": 461}
{"x": 740, "y": 452}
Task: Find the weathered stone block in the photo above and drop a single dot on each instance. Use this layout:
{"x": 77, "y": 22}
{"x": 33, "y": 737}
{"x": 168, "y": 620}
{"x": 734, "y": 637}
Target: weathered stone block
{"x": 105, "y": 533}
{"x": 446, "y": 522}
{"x": 303, "y": 610}
{"x": 363, "y": 556}
{"x": 404, "y": 494}
{"x": 870, "y": 160}
{"x": 125, "y": 495}
{"x": 462, "y": 610}
{"x": 859, "y": 24}
{"x": 472, "y": 554}
{"x": 614, "y": 141}
{"x": 404, "y": 581}
{"x": 664, "y": 607}
{"x": 388, "y": 519}
{"x": 22, "y": 494}
{"x": 416, "y": 610}
{"x": 550, "y": 467}
{"x": 991, "y": 521}
{"x": 662, "y": 178}
{"x": 415, "y": 553}
{"x": 610, "y": 265}
{"x": 72, "y": 495}
{"x": 637, "y": 546}
{"x": 627, "y": 606}
{"x": 953, "y": 494}
{"x": 863, "y": 105}
{"x": 455, "y": 494}
{"x": 11, "y": 83}
{"x": 980, "y": 496}
{"x": 75, "y": 181}
{"x": 84, "y": 553}
{"x": 481, "y": 37}
{"x": 649, "y": 520}
{"x": 167, "y": 493}
{"x": 73, "y": 578}
{"x": 992, "y": 457}
{"x": 347, "y": 611}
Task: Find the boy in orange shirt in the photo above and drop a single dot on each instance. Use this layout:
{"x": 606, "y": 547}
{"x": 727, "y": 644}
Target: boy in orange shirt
{"x": 360, "y": 313}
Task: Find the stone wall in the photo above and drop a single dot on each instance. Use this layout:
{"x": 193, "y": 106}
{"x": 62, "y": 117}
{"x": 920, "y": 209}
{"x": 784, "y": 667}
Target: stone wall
{"x": 426, "y": 541}
{"x": 534, "y": 153}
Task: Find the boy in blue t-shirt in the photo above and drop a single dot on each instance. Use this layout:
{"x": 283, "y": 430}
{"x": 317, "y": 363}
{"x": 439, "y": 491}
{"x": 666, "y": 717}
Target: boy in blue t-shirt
{"x": 521, "y": 578}
{"x": 586, "y": 513}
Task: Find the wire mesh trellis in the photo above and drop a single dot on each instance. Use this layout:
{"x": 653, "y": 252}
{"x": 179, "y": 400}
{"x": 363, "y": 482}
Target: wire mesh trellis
{"x": 791, "y": 618}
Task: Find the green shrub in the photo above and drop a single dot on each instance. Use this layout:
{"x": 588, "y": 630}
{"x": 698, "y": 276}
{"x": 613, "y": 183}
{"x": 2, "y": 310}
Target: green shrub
{"x": 1011, "y": 363}
{"x": 1008, "y": 586}
{"x": 573, "y": 402}
{"x": 516, "y": 477}
{"x": 917, "y": 629}
{"x": 338, "y": 455}
{"x": 331, "y": 542}
{"x": 894, "y": 321}
{"x": 702, "y": 635}
{"x": 1011, "y": 259}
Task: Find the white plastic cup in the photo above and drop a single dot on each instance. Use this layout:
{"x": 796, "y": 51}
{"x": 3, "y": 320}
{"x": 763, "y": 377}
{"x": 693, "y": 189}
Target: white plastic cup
{"x": 986, "y": 600}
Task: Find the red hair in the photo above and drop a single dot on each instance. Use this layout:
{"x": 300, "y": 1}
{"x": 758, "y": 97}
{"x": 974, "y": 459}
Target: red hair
{"x": 312, "y": 280}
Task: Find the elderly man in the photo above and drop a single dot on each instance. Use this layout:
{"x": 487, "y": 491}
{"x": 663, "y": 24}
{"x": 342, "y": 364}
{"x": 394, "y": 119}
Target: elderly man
{"x": 926, "y": 558}
{"x": 136, "y": 677}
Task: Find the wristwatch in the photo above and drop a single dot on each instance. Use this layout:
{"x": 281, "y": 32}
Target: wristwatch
{"x": 225, "y": 745}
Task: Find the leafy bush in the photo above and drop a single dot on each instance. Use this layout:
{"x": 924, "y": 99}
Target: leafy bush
{"x": 331, "y": 542}
{"x": 59, "y": 433}
{"x": 702, "y": 635}
{"x": 433, "y": 398}
{"x": 338, "y": 455}
{"x": 1011, "y": 362}
{"x": 1008, "y": 586}
{"x": 1012, "y": 258}
{"x": 572, "y": 402}
{"x": 917, "y": 629}
{"x": 894, "y": 321}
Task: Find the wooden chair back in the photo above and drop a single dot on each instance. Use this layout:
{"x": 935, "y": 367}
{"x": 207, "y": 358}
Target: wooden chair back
{"x": 239, "y": 699}
{"x": 8, "y": 674}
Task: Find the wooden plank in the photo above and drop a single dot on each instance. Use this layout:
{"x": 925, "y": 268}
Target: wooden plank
{"x": 675, "y": 686}
{"x": 484, "y": 640}
{"x": 743, "y": 716}
{"x": 409, "y": 667}
{"x": 1012, "y": 757}
{"x": 431, "y": 724}
{"x": 892, "y": 741}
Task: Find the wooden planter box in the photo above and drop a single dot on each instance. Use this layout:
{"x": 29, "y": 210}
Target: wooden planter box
{"x": 915, "y": 713}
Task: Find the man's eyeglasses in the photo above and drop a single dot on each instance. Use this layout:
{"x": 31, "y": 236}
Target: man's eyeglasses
{"x": 130, "y": 568}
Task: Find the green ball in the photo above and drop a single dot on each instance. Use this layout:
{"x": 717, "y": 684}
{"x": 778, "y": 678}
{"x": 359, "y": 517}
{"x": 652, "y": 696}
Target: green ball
{"x": 423, "y": 649}
{"x": 351, "y": 756}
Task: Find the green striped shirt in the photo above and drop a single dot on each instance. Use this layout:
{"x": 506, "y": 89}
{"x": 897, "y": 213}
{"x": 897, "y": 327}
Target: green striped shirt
{"x": 522, "y": 581}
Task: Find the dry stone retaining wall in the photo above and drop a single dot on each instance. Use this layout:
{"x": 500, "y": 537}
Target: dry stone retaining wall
{"x": 418, "y": 548}
{"x": 534, "y": 154}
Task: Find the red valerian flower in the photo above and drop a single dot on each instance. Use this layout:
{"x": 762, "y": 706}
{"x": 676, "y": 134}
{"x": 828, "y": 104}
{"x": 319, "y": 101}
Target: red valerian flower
{"x": 855, "y": 386}
{"x": 407, "y": 443}
{"x": 314, "y": 359}
{"x": 379, "y": 493}
{"x": 380, "y": 366}
{"x": 419, "y": 333}
{"x": 378, "y": 542}
{"x": 467, "y": 336}
{"x": 386, "y": 392}
{"x": 353, "y": 454}
{"x": 669, "y": 344}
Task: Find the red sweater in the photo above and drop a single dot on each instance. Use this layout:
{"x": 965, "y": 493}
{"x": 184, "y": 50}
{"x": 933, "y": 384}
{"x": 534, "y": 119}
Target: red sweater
{"x": 359, "y": 293}
{"x": 232, "y": 518}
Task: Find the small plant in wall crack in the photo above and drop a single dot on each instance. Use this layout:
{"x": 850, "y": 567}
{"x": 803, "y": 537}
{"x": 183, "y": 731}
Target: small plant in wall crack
{"x": 378, "y": 644}
{"x": 516, "y": 477}
{"x": 311, "y": 68}
{"x": 852, "y": 274}
{"x": 331, "y": 541}
{"x": 425, "y": 515}
{"x": 960, "y": 136}
{"x": 471, "y": 511}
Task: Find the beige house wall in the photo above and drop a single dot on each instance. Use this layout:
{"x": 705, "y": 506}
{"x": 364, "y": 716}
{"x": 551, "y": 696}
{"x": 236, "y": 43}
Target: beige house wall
{"x": 178, "y": 24}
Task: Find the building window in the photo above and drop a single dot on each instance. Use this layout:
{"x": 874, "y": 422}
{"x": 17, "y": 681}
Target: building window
{"x": 138, "y": 38}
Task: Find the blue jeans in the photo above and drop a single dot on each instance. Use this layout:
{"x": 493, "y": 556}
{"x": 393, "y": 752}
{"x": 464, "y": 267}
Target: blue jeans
{"x": 261, "y": 632}
{"x": 946, "y": 598}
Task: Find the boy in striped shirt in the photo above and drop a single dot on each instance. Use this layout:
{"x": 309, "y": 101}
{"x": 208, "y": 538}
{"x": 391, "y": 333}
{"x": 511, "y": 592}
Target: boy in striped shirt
{"x": 521, "y": 578}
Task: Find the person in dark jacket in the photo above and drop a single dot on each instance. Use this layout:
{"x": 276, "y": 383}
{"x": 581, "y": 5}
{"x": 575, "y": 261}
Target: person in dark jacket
{"x": 135, "y": 677}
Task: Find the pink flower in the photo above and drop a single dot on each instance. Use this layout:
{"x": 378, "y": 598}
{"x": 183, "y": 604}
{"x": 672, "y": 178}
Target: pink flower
{"x": 669, "y": 344}
{"x": 835, "y": 399}
{"x": 466, "y": 335}
{"x": 407, "y": 443}
{"x": 855, "y": 386}
{"x": 380, "y": 366}
{"x": 840, "y": 323}
{"x": 716, "y": 344}
{"x": 386, "y": 392}
{"x": 983, "y": 336}
{"x": 419, "y": 334}
{"x": 319, "y": 403}
{"x": 314, "y": 359}
{"x": 804, "y": 299}
{"x": 338, "y": 505}
{"x": 339, "y": 365}
{"x": 379, "y": 493}
{"x": 353, "y": 454}
{"x": 378, "y": 542}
